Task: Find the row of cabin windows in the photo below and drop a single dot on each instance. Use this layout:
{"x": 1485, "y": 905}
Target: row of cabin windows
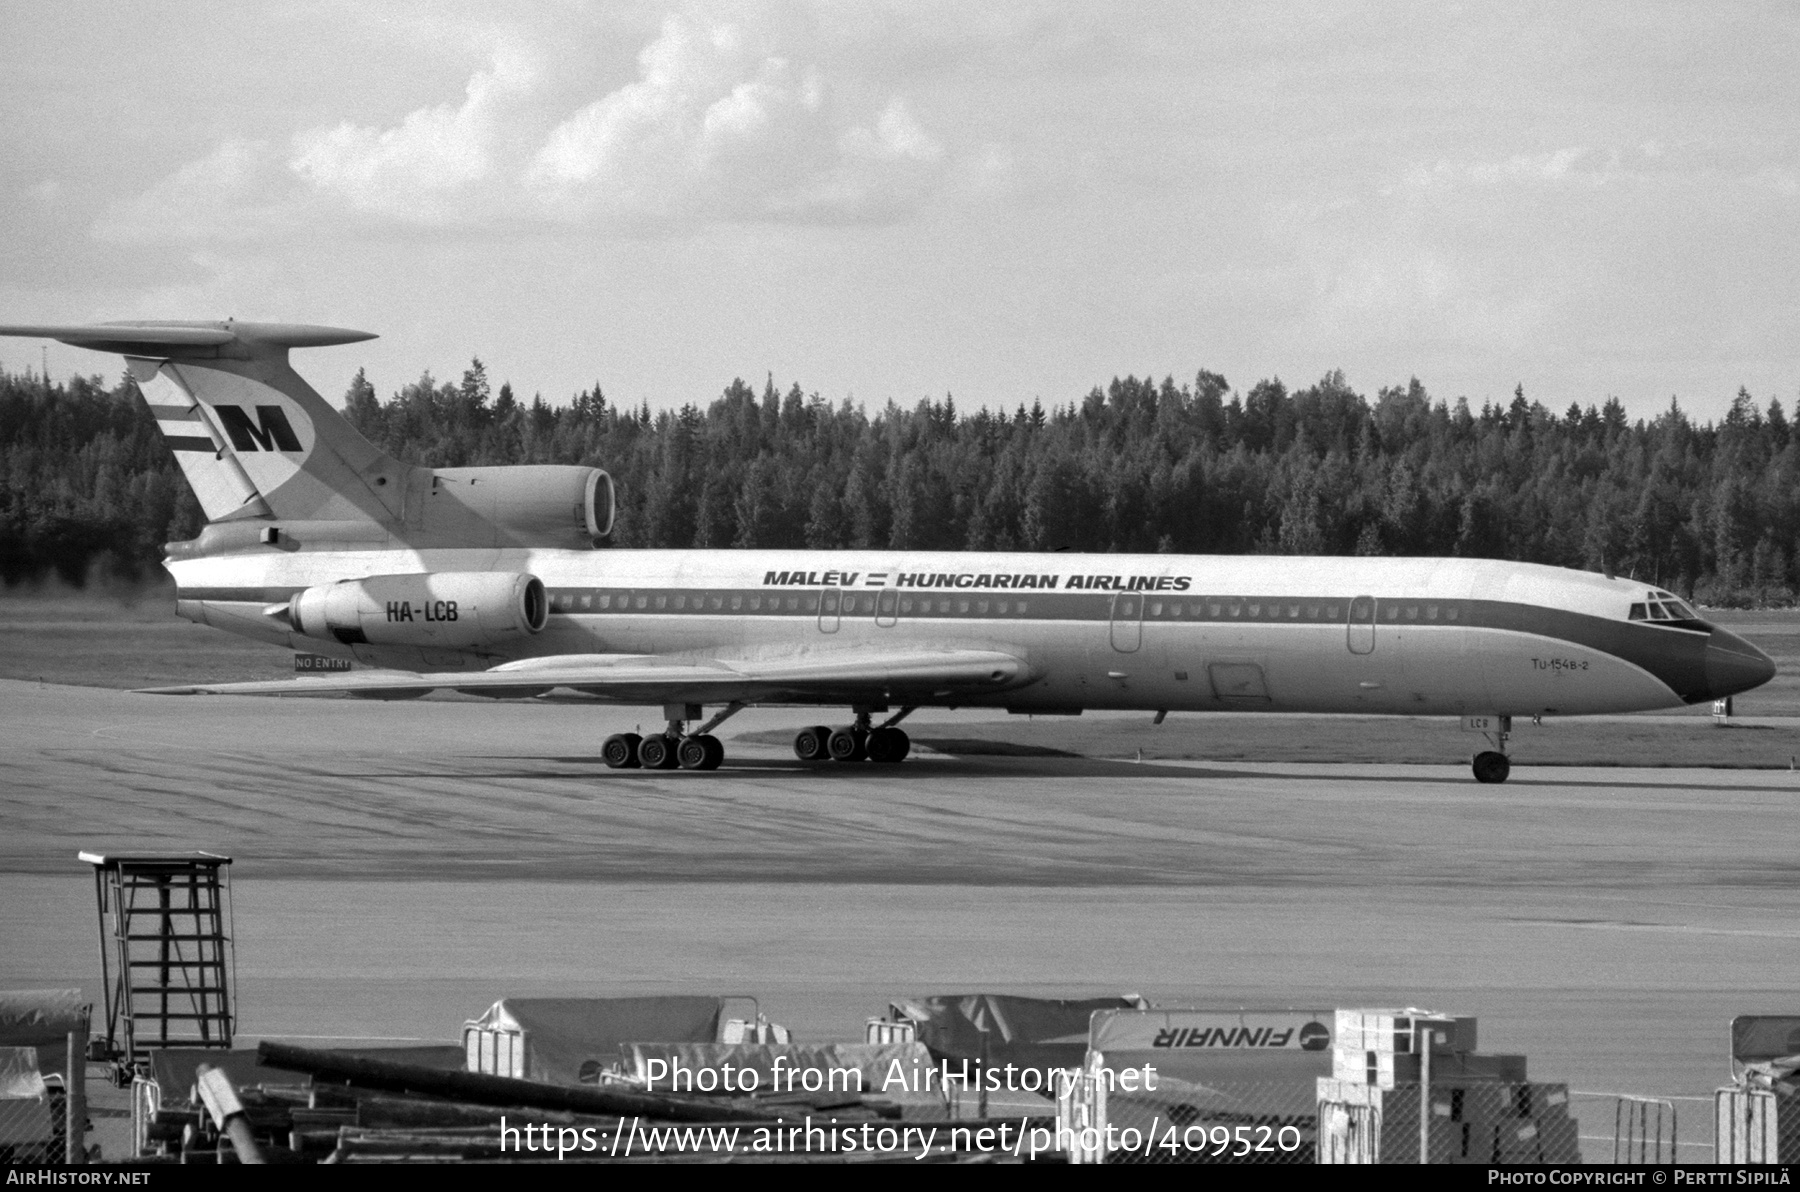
{"x": 849, "y": 604}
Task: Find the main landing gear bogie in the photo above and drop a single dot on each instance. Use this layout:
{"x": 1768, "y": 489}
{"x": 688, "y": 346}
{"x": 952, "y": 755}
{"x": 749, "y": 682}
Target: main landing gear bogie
{"x": 662, "y": 751}
{"x": 855, "y": 742}
{"x": 674, "y": 746}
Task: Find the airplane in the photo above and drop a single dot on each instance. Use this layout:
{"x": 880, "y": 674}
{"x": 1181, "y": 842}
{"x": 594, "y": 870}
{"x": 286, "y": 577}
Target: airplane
{"x": 498, "y": 581}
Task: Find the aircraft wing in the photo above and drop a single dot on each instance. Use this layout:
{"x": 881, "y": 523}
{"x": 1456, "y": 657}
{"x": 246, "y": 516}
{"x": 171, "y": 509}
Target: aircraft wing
{"x": 840, "y": 676}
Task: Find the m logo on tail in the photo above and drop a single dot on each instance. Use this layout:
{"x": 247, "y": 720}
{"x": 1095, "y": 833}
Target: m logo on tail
{"x": 270, "y": 432}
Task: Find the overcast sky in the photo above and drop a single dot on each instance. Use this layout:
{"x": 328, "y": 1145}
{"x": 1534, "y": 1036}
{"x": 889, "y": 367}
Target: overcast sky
{"x": 1002, "y": 201}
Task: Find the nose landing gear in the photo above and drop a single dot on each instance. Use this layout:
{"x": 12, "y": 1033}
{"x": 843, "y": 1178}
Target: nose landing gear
{"x": 1492, "y": 765}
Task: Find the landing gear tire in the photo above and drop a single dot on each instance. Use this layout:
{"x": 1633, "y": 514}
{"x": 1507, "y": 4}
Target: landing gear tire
{"x": 700, "y": 753}
{"x": 810, "y": 745}
{"x": 848, "y": 745}
{"x": 888, "y": 745}
{"x": 1491, "y": 766}
{"x": 657, "y": 752}
{"x": 620, "y": 752}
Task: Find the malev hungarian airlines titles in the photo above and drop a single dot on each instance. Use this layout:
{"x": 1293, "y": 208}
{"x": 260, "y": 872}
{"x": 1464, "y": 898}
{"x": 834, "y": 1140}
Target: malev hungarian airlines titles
{"x": 495, "y": 581}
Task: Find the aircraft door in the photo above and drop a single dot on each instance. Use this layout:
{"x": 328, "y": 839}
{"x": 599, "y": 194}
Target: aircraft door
{"x": 829, "y": 617}
{"x": 1361, "y": 629}
{"x": 1127, "y": 621}
{"x": 887, "y": 608}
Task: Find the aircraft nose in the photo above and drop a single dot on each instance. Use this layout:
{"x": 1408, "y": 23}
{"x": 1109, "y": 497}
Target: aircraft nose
{"x": 1734, "y": 665}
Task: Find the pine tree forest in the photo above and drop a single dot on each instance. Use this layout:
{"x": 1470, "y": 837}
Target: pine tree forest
{"x": 88, "y": 490}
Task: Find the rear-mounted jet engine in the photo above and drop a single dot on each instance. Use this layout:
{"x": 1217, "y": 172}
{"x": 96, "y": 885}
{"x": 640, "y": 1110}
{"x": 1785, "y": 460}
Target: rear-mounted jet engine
{"x": 452, "y": 610}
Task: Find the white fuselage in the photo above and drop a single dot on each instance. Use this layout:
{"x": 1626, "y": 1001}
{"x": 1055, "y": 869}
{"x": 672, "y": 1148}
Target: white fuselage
{"x": 1182, "y": 633}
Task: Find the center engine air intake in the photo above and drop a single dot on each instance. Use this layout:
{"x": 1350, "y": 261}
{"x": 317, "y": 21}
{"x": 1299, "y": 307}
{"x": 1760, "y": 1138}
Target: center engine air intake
{"x": 452, "y": 610}
{"x": 529, "y": 505}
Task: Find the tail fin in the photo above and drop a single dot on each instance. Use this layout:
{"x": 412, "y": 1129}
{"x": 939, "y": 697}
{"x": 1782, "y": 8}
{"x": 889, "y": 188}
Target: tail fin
{"x": 252, "y": 437}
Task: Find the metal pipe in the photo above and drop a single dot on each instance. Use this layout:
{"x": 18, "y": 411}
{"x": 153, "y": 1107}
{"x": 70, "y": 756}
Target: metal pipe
{"x": 75, "y": 1097}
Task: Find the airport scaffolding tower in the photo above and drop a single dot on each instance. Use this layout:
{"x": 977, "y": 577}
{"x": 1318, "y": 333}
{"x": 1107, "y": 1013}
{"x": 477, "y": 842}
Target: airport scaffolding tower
{"x": 166, "y": 956}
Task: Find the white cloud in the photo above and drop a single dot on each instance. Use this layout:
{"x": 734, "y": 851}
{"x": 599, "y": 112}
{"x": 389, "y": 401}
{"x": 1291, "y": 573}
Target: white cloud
{"x": 425, "y": 168}
{"x": 717, "y": 127}
{"x": 720, "y": 125}
{"x": 237, "y": 192}
{"x": 1575, "y": 164}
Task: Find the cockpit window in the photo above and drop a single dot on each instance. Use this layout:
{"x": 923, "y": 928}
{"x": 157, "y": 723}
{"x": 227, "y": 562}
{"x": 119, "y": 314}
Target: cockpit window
{"x": 1663, "y": 607}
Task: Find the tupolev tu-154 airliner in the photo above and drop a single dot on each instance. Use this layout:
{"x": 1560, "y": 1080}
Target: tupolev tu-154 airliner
{"x": 497, "y": 581}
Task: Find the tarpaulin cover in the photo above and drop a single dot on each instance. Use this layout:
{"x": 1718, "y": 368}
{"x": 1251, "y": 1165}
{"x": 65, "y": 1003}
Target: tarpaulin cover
{"x": 25, "y": 1115}
{"x": 1028, "y": 1031}
{"x": 899, "y": 1072}
{"x": 561, "y": 1034}
{"x": 19, "y": 1075}
{"x": 173, "y": 1070}
{"x": 41, "y": 1018}
{"x": 1763, "y": 1037}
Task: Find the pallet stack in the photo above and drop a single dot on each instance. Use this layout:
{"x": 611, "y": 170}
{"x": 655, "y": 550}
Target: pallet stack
{"x": 1482, "y": 1107}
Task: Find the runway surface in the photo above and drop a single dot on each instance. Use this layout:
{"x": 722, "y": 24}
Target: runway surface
{"x": 1607, "y": 922}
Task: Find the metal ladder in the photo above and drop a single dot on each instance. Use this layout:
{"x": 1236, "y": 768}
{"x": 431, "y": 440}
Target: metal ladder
{"x": 166, "y": 955}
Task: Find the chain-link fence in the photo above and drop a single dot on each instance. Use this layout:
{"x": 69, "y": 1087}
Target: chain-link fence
{"x": 1178, "y": 1122}
{"x": 33, "y": 1110}
{"x": 43, "y": 1072}
{"x": 1283, "y": 1122}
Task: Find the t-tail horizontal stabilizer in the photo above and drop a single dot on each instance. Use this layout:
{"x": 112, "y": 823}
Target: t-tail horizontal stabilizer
{"x": 254, "y": 440}
{"x": 173, "y": 338}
